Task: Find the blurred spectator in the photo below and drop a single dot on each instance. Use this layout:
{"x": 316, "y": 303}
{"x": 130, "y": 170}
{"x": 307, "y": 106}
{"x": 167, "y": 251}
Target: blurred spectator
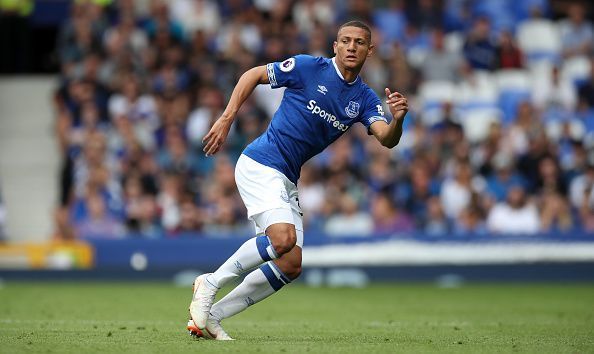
{"x": 456, "y": 192}
{"x": 98, "y": 223}
{"x": 349, "y": 220}
{"x": 577, "y": 34}
{"x": 525, "y": 124}
{"x": 555, "y": 215}
{"x": 161, "y": 27}
{"x": 471, "y": 221}
{"x": 440, "y": 64}
{"x": 209, "y": 107}
{"x": 168, "y": 202}
{"x": 308, "y": 13}
{"x": 517, "y": 215}
{"x": 503, "y": 177}
{"x": 196, "y": 15}
{"x": 140, "y": 109}
{"x": 558, "y": 92}
{"x": 509, "y": 55}
{"x": 538, "y": 149}
{"x": 416, "y": 193}
{"x": 581, "y": 189}
{"x": 436, "y": 223}
{"x": 426, "y": 14}
{"x": 311, "y": 192}
{"x": 391, "y": 21}
{"x": 190, "y": 218}
{"x": 479, "y": 49}
{"x": 550, "y": 179}
{"x": 586, "y": 89}
{"x": 387, "y": 217}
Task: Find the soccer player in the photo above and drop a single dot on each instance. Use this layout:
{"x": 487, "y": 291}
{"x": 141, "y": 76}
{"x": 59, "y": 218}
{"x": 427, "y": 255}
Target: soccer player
{"x": 324, "y": 97}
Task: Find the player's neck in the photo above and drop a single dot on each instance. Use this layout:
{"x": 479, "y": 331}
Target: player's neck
{"x": 349, "y": 76}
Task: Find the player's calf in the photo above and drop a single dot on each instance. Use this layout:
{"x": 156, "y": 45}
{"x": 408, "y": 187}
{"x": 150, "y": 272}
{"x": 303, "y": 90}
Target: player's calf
{"x": 290, "y": 263}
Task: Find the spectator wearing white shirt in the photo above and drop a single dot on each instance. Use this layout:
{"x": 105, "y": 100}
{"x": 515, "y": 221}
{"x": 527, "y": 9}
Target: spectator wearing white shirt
{"x": 577, "y": 34}
{"x": 517, "y": 215}
{"x": 581, "y": 189}
{"x": 196, "y": 15}
{"x": 555, "y": 92}
{"x": 350, "y": 221}
{"x": 456, "y": 193}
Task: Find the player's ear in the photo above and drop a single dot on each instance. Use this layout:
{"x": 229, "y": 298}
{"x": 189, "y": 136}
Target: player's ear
{"x": 371, "y": 50}
{"x": 334, "y": 47}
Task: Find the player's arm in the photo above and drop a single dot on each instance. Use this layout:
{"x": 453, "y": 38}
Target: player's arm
{"x": 389, "y": 134}
{"x": 246, "y": 84}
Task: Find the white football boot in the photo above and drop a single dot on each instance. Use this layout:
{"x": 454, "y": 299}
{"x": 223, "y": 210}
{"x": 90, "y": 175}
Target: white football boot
{"x": 215, "y": 330}
{"x": 201, "y": 301}
{"x": 193, "y": 330}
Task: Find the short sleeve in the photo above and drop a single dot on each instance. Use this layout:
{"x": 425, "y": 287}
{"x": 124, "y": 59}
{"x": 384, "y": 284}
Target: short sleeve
{"x": 374, "y": 111}
{"x": 290, "y": 73}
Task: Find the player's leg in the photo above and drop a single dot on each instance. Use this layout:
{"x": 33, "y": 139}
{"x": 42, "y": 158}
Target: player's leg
{"x": 280, "y": 239}
{"x": 264, "y": 192}
{"x": 258, "y": 285}
{"x": 266, "y": 280}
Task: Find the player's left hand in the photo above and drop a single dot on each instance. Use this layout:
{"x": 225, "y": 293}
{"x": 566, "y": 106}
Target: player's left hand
{"x": 216, "y": 136}
{"x": 398, "y": 104}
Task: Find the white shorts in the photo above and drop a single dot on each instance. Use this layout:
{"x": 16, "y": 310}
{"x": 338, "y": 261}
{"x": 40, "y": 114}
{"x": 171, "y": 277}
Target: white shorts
{"x": 269, "y": 196}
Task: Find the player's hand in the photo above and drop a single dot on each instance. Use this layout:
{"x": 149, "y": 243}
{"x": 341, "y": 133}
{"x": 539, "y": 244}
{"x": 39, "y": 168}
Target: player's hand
{"x": 398, "y": 104}
{"x": 216, "y": 136}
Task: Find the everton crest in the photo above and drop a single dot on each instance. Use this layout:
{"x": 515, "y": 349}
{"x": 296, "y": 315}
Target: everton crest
{"x": 352, "y": 110}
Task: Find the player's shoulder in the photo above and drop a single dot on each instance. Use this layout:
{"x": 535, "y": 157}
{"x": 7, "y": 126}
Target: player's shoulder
{"x": 303, "y": 62}
{"x": 368, "y": 93}
{"x": 311, "y": 60}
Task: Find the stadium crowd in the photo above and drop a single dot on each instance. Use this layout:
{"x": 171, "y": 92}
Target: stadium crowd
{"x": 499, "y": 139}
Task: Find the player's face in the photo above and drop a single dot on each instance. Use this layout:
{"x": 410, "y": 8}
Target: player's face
{"x": 352, "y": 47}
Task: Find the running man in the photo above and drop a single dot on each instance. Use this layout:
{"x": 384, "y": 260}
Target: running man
{"x": 324, "y": 97}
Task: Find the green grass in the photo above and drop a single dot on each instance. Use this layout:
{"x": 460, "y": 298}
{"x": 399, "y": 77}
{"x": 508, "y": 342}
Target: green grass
{"x": 151, "y": 317}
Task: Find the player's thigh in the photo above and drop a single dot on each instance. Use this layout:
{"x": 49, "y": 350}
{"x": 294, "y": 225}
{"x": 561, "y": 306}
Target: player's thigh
{"x": 290, "y": 262}
{"x": 281, "y": 225}
{"x": 261, "y": 187}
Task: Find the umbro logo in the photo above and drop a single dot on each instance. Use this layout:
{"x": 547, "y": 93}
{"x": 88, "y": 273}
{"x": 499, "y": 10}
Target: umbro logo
{"x": 322, "y": 89}
{"x": 238, "y": 266}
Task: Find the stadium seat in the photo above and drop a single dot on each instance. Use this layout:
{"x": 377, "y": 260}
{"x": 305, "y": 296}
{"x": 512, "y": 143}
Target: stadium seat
{"x": 514, "y": 88}
{"x": 432, "y": 96}
{"x": 554, "y": 129}
{"x": 476, "y": 122}
{"x": 576, "y": 69}
{"x": 540, "y": 40}
{"x": 481, "y": 93}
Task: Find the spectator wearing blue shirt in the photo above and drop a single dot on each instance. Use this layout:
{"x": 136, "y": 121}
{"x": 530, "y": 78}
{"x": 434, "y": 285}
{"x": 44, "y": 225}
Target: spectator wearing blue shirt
{"x": 479, "y": 49}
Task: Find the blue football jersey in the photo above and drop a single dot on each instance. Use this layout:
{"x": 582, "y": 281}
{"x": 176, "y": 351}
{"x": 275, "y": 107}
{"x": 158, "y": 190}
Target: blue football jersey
{"x": 318, "y": 106}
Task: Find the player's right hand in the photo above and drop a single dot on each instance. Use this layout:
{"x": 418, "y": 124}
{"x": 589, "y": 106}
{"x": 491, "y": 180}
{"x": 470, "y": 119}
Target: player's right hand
{"x": 217, "y": 135}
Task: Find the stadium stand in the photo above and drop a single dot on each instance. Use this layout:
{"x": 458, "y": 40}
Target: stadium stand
{"x": 509, "y": 136}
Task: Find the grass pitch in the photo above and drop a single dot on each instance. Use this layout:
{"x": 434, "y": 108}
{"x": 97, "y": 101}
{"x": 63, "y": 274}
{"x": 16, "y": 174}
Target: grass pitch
{"x": 151, "y": 318}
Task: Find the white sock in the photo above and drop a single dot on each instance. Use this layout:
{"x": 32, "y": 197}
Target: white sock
{"x": 251, "y": 254}
{"x": 258, "y": 285}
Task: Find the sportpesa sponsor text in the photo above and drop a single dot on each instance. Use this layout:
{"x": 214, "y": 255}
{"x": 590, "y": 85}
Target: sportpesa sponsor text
{"x": 327, "y": 116}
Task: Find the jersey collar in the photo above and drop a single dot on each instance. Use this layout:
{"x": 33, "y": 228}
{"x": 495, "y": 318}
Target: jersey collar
{"x": 340, "y": 74}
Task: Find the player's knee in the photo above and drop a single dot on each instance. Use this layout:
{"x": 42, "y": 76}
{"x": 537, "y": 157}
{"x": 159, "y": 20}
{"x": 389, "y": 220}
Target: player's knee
{"x": 283, "y": 238}
{"x": 285, "y": 243}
